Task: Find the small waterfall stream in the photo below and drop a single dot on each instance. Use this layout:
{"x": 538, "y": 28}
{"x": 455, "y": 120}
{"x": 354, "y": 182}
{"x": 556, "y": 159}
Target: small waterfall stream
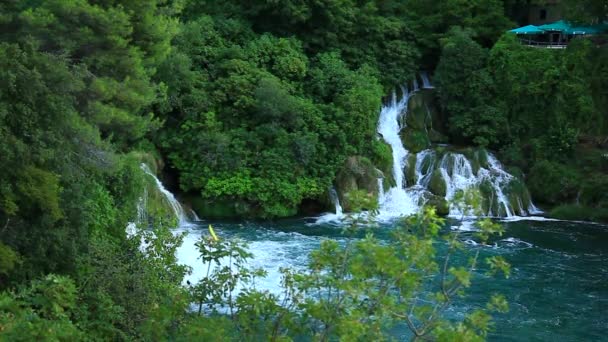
{"x": 338, "y": 215}
{"x": 177, "y": 208}
{"x": 425, "y": 164}
{"x": 333, "y": 194}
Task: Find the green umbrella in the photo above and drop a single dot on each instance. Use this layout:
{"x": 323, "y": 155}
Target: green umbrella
{"x": 530, "y": 29}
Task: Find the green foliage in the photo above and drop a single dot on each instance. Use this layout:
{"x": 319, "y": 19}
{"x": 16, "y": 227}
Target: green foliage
{"x": 8, "y": 259}
{"x": 534, "y": 105}
{"x": 41, "y": 311}
{"x": 382, "y": 157}
{"x": 349, "y": 291}
{"x": 116, "y": 47}
{"x": 432, "y": 20}
{"x": 415, "y": 140}
{"x": 467, "y": 92}
{"x": 268, "y": 127}
{"x": 575, "y": 212}
{"x": 370, "y": 32}
{"x": 553, "y": 183}
{"x": 585, "y": 11}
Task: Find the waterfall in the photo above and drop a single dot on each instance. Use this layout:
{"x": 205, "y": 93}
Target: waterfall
{"x": 177, "y": 208}
{"x": 396, "y": 201}
{"x": 194, "y": 215}
{"x": 499, "y": 179}
{"x": 333, "y": 195}
{"x": 425, "y": 164}
{"x": 380, "y": 187}
{"x": 426, "y": 83}
{"x": 457, "y": 173}
{"x": 454, "y": 169}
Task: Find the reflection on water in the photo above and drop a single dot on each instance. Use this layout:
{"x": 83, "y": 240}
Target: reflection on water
{"x": 558, "y": 289}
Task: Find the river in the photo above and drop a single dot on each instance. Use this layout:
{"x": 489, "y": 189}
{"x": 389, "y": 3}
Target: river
{"x": 558, "y": 289}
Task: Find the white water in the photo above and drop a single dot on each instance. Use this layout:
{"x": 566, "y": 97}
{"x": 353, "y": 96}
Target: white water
{"x": 194, "y": 216}
{"x": 426, "y": 82}
{"x": 457, "y": 172}
{"x": 333, "y": 194}
{"x": 177, "y": 208}
{"x": 338, "y": 215}
{"x": 272, "y": 250}
{"x": 425, "y": 164}
{"x": 396, "y": 201}
{"x": 499, "y": 179}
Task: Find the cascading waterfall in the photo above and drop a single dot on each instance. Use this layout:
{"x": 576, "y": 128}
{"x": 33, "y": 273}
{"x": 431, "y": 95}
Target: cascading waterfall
{"x": 398, "y": 200}
{"x": 457, "y": 173}
{"x": 177, "y": 208}
{"x": 395, "y": 201}
{"x": 455, "y": 170}
{"x": 425, "y": 164}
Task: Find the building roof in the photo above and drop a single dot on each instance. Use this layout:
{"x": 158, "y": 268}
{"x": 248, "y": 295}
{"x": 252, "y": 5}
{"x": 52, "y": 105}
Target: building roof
{"x": 530, "y": 29}
{"x": 563, "y": 27}
{"x": 558, "y": 26}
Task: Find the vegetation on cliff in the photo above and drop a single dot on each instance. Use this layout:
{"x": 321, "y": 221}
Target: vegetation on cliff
{"x": 260, "y": 106}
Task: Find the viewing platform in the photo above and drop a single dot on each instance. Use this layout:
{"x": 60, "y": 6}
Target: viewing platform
{"x": 556, "y": 35}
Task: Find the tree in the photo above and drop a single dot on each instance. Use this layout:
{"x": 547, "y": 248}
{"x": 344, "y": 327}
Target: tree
{"x": 354, "y": 290}
{"x": 586, "y": 11}
{"x": 466, "y": 92}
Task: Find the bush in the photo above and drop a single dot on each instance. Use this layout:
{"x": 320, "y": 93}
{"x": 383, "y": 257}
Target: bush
{"x": 552, "y": 183}
{"x": 576, "y": 212}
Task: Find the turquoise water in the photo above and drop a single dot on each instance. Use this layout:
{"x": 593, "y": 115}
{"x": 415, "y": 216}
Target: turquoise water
{"x": 558, "y": 289}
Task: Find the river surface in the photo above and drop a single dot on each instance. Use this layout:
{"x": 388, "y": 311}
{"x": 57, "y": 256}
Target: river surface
{"x": 558, "y": 289}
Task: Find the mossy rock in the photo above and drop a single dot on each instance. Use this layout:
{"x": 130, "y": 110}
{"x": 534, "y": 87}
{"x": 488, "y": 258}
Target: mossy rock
{"x": 425, "y": 105}
{"x": 415, "y": 140}
{"x": 382, "y": 156}
{"x": 418, "y": 115}
{"x": 481, "y": 156}
{"x": 358, "y": 200}
{"x": 516, "y": 172}
{"x": 490, "y": 201}
{"x": 470, "y": 155}
{"x": 357, "y": 173}
{"x": 437, "y": 137}
{"x": 388, "y": 180}
{"x": 437, "y": 184}
{"x": 441, "y": 205}
{"x": 410, "y": 169}
{"x": 518, "y": 195}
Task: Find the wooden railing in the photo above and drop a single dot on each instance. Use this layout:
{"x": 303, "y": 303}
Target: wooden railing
{"x": 548, "y": 45}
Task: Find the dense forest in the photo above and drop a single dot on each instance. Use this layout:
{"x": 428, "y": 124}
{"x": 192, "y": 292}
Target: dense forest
{"x": 250, "y": 110}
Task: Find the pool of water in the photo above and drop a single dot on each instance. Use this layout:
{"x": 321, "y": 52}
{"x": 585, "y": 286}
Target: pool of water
{"x": 558, "y": 289}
